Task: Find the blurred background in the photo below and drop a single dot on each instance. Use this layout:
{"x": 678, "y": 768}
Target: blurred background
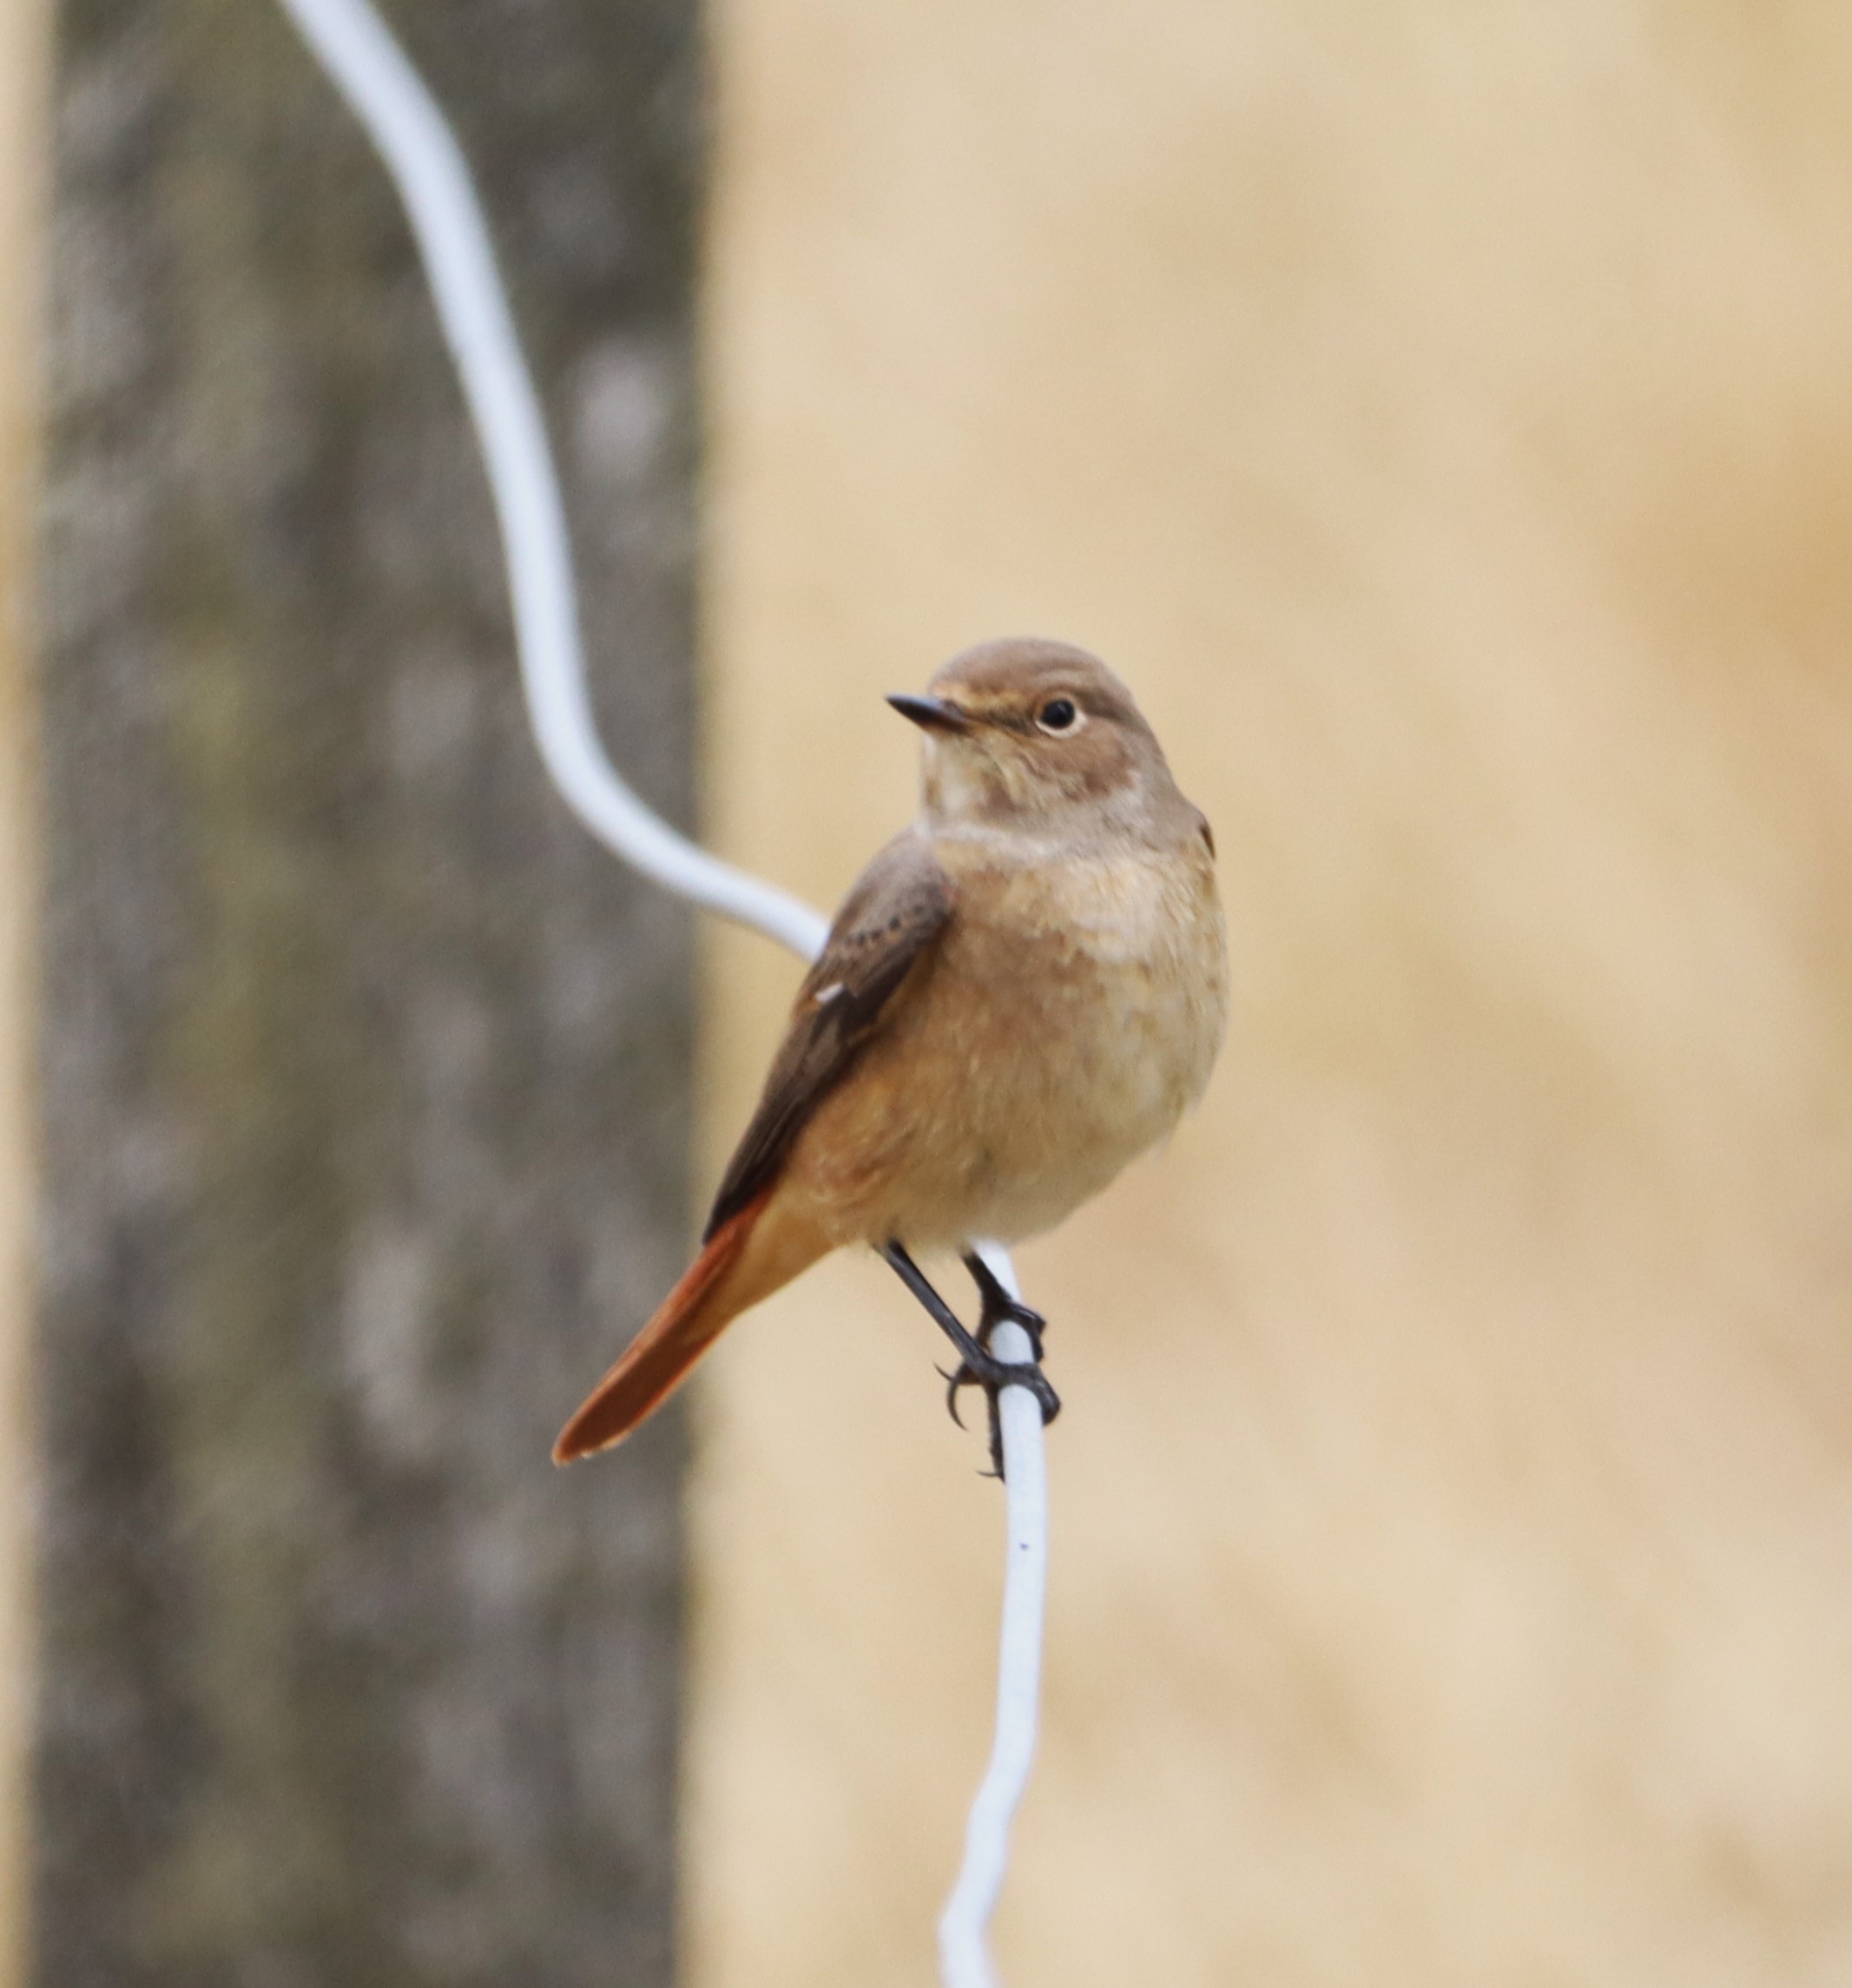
{"x": 1440, "y": 415}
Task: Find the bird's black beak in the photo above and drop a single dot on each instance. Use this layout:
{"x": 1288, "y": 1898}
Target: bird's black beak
{"x": 931, "y": 713}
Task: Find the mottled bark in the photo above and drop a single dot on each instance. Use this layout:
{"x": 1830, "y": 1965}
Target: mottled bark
{"x": 366, "y": 1072}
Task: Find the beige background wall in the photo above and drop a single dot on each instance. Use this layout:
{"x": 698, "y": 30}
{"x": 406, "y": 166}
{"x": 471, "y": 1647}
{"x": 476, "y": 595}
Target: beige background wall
{"x": 1442, "y": 414}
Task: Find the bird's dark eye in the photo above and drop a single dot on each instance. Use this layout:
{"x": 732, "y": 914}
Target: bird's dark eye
{"x": 1057, "y": 715}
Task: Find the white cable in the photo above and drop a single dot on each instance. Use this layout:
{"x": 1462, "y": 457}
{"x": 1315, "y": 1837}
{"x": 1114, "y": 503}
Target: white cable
{"x": 964, "y": 1959}
{"x": 421, "y": 152}
{"x": 387, "y": 95}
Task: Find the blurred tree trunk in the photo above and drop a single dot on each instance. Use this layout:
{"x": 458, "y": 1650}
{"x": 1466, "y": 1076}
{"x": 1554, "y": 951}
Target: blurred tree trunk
{"x": 366, "y": 1073}
{"x": 24, "y": 61}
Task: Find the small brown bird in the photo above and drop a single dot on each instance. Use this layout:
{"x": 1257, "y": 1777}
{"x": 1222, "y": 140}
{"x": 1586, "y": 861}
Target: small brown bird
{"x": 1023, "y": 991}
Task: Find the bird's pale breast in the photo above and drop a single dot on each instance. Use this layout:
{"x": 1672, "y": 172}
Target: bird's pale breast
{"x": 1071, "y": 1015}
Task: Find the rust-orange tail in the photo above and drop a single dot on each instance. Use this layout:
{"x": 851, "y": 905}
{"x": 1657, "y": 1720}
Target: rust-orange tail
{"x": 745, "y": 1259}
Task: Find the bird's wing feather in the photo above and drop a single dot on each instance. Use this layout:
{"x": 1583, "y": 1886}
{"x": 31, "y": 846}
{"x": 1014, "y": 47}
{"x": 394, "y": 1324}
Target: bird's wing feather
{"x": 890, "y": 921}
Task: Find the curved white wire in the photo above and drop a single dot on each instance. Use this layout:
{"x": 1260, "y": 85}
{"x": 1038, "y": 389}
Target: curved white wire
{"x": 388, "y": 97}
{"x": 414, "y": 138}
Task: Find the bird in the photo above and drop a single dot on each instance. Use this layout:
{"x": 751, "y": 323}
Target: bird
{"x": 1024, "y": 990}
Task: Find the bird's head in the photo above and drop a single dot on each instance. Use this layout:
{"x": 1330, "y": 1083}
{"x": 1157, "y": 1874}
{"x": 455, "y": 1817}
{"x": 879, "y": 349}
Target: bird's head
{"x": 1040, "y": 738}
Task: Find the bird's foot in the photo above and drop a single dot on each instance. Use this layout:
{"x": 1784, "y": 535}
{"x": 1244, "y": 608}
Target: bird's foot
{"x": 977, "y": 1366}
{"x": 993, "y": 1375}
{"x": 1000, "y": 1308}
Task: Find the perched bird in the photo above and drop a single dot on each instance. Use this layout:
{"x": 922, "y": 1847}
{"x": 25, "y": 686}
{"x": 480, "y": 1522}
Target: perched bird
{"x": 1023, "y": 991}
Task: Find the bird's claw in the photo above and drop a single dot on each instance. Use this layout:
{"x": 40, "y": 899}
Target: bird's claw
{"x": 1026, "y": 1373}
{"x": 1009, "y": 1313}
{"x": 993, "y": 1375}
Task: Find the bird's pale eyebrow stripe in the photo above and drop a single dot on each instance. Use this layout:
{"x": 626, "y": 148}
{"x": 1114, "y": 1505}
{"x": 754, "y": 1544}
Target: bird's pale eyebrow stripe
{"x": 824, "y": 996}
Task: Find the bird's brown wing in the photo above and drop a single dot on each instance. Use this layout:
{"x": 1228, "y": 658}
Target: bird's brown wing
{"x": 890, "y": 921}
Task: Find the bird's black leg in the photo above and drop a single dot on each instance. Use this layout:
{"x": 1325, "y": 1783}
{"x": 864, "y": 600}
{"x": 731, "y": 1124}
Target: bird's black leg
{"x": 977, "y": 1366}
